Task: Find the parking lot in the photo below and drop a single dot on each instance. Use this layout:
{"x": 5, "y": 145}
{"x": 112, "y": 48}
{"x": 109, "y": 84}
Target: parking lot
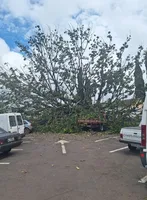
{"x": 85, "y": 168}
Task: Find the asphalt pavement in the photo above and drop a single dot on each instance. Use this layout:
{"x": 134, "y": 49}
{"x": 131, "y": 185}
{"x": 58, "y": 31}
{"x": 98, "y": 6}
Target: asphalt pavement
{"x": 85, "y": 168}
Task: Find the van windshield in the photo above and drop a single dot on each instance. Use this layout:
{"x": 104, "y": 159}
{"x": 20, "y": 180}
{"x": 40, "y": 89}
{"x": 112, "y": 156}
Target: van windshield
{"x": 19, "y": 120}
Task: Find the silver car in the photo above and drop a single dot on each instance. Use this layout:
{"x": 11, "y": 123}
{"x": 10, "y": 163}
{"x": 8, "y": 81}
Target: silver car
{"x": 28, "y": 127}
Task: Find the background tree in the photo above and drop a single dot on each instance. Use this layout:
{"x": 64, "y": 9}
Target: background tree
{"x": 145, "y": 60}
{"x": 71, "y": 75}
{"x": 138, "y": 75}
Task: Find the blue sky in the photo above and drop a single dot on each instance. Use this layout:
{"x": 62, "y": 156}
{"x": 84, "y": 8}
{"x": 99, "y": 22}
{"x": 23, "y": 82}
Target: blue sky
{"x": 14, "y": 31}
{"x": 14, "y": 28}
{"x": 121, "y": 17}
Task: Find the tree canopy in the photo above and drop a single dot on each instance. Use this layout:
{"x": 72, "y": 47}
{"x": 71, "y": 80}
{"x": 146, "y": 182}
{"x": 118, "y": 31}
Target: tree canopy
{"x": 73, "y": 73}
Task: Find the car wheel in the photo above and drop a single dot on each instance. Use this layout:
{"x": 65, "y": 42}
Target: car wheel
{"x": 7, "y": 151}
{"x": 26, "y": 131}
{"x": 101, "y": 127}
{"x": 131, "y": 147}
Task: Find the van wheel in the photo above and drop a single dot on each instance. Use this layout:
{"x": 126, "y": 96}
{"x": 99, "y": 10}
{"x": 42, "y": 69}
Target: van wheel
{"x": 26, "y": 131}
{"x": 131, "y": 147}
{"x": 7, "y": 151}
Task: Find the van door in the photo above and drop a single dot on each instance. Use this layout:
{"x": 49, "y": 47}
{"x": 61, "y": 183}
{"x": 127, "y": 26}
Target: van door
{"x": 143, "y": 151}
{"x": 20, "y": 124}
{"x": 12, "y": 124}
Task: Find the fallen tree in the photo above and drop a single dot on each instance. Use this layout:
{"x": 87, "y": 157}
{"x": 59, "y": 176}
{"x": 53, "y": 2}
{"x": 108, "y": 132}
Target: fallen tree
{"x": 69, "y": 75}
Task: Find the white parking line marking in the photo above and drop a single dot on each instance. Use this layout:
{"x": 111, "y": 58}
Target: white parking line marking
{"x": 143, "y": 180}
{"x": 17, "y": 150}
{"x": 63, "y": 149}
{"x": 29, "y": 137}
{"x": 62, "y": 142}
{"x": 100, "y": 140}
{"x": 113, "y": 151}
{"x": 26, "y": 142}
{"x": 4, "y": 163}
{"x": 116, "y": 137}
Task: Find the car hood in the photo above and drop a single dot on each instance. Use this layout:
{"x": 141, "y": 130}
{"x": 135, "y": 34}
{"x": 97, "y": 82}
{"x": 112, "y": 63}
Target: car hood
{"x": 3, "y": 135}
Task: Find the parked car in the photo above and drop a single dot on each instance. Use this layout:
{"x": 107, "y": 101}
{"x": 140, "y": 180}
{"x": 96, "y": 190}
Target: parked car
{"x": 12, "y": 122}
{"x": 9, "y": 141}
{"x": 135, "y": 137}
{"x": 131, "y": 136}
{"x": 27, "y": 127}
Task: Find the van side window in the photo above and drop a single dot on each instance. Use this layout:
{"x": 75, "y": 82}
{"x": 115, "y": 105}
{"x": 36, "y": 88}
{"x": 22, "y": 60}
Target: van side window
{"x": 19, "y": 120}
{"x": 12, "y": 121}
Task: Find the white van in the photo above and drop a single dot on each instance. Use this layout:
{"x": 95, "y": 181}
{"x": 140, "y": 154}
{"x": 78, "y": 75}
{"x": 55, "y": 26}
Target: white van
{"x": 143, "y": 151}
{"x": 12, "y": 122}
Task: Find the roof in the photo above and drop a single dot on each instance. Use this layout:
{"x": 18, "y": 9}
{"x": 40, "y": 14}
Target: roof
{"x": 10, "y": 114}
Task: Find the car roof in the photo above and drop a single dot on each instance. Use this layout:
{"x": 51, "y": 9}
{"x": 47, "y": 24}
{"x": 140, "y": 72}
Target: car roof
{"x": 26, "y": 120}
{"x": 10, "y": 114}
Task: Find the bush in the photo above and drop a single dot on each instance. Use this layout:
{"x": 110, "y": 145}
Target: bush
{"x": 57, "y": 122}
{"x": 121, "y": 121}
{"x": 65, "y": 120}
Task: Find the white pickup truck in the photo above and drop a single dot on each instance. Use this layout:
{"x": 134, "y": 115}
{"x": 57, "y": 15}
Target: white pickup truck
{"x": 132, "y": 135}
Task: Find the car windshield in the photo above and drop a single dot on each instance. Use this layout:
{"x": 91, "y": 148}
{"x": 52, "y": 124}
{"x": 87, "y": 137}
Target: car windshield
{"x": 2, "y": 131}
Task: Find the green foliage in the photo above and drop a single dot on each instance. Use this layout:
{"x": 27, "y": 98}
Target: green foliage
{"x": 116, "y": 123}
{"x": 57, "y": 121}
{"x": 139, "y": 82}
{"x": 71, "y": 76}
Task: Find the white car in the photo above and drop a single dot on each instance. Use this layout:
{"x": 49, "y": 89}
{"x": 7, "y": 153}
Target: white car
{"x": 27, "y": 127}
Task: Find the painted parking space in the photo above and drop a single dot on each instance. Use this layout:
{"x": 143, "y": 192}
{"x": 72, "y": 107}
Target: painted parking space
{"x": 143, "y": 180}
{"x": 105, "y": 139}
{"x": 4, "y": 163}
{"x": 110, "y": 144}
{"x": 15, "y": 153}
{"x": 119, "y": 149}
{"x": 16, "y": 149}
{"x": 85, "y": 170}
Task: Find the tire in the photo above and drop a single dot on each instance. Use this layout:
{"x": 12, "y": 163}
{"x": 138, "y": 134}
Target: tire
{"x": 132, "y": 148}
{"x": 101, "y": 127}
{"x": 26, "y": 131}
{"x": 7, "y": 151}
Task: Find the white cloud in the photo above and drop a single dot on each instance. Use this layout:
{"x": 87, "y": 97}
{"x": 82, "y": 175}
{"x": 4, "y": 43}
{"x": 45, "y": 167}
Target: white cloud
{"x": 17, "y": 8}
{"x": 13, "y": 58}
{"x": 3, "y": 50}
{"x": 121, "y": 17}
{"x": 4, "y": 47}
